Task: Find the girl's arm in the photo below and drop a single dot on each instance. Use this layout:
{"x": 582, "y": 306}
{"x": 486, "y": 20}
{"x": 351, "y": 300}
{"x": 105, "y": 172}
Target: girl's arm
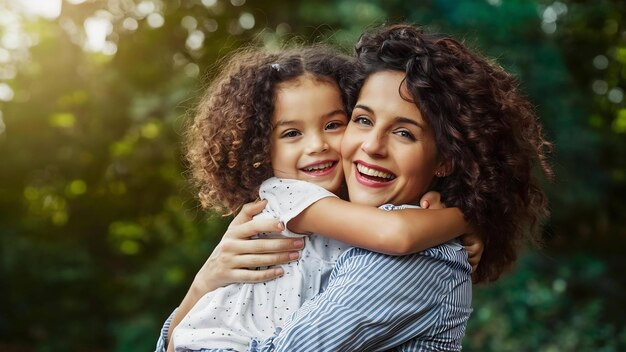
{"x": 396, "y": 232}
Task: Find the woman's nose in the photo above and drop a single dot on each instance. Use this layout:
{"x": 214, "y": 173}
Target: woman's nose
{"x": 374, "y": 145}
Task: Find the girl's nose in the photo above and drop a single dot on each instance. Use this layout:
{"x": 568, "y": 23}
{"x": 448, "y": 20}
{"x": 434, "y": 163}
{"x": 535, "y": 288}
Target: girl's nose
{"x": 317, "y": 144}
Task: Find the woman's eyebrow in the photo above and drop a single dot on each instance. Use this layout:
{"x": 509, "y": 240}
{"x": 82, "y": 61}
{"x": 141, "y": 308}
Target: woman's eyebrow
{"x": 364, "y": 107}
{"x": 402, "y": 119}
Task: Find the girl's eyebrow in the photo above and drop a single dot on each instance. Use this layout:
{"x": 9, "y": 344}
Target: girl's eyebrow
{"x": 400, "y": 119}
{"x": 285, "y": 122}
{"x": 335, "y": 112}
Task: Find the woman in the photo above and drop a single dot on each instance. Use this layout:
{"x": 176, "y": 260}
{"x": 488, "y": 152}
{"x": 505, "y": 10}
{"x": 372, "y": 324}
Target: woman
{"x": 425, "y": 97}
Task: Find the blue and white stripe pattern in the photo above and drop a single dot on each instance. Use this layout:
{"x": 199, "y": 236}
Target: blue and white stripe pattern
{"x": 375, "y": 302}
{"x": 162, "y": 341}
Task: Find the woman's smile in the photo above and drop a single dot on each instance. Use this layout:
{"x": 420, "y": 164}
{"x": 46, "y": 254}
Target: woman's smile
{"x": 388, "y": 149}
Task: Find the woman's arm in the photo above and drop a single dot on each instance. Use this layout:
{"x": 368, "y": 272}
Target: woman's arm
{"x": 234, "y": 256}
{"x": 397, "y": 232}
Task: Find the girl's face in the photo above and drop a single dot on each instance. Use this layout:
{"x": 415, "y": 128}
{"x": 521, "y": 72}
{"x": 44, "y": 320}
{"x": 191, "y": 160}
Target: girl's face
{"x": 389, "y": 152}
{"x": 308, "y": 123}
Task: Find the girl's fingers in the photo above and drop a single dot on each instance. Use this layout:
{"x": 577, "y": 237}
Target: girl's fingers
{"x": 432, "y": 200}
{"x": 474, "y": 254}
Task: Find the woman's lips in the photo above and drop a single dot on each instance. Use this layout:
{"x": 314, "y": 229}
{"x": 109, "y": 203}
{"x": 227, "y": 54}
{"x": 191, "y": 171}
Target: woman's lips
{"x": 371, "y": 175}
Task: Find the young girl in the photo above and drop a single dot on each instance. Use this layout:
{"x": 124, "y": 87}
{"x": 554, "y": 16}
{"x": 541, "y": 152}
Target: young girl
{"x": 283, "y": 115}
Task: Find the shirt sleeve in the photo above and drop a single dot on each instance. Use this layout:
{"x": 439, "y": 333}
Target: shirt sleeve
{"x": 162, "y": 341}
{"x": 374, "y": 302}
{"x": 287, "y": 198}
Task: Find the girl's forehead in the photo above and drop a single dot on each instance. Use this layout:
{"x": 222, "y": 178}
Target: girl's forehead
{"x": 306, "y": 78}
{"x": 307, "y": 99}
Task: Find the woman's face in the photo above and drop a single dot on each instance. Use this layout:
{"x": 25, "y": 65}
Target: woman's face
{"x": 388, "y": 150}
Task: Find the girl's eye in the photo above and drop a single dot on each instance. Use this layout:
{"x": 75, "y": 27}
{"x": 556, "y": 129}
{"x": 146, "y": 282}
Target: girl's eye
{"x": 405, "y": 134}
{"x": 333, "y": 125}
{"x": 290, "y": 134}
{"x": 362, "y": 120}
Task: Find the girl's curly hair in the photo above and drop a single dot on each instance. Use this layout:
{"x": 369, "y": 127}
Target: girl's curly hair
{"x": 228, "y": 142}
{"x": 483, "y": 126}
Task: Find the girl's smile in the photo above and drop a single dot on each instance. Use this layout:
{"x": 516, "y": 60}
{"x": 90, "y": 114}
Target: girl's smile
{"x": 309, "y": 121}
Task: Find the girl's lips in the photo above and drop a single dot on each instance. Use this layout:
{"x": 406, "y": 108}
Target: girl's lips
{"x": 382, "y": 177}
{"x": 319, "y": 169}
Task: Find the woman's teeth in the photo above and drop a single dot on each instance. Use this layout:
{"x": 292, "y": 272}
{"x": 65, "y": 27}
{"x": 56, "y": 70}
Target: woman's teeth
{"x": 373, "y": 173}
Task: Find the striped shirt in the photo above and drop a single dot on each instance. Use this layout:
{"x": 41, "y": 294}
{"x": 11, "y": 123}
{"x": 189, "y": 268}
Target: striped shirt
{"x": 377, "y": 302}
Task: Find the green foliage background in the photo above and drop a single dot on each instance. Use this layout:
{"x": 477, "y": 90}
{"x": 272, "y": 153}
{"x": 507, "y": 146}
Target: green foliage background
{"x": 100, "y": 233}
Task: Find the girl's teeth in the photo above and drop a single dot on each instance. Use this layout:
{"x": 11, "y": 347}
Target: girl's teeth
{"x": 319, "y": 166}
{"x": 374, "y": 173}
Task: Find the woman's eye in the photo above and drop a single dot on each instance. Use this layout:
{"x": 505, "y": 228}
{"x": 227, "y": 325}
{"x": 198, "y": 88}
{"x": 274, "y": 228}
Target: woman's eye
{"x": 290, "y": 134}
{"x": 405, "y": 134}
{"x": 361, "y": 120}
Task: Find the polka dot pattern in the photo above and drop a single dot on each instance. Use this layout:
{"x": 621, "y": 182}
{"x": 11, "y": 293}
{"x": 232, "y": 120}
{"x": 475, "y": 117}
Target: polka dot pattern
{"x": 230, "y": 317}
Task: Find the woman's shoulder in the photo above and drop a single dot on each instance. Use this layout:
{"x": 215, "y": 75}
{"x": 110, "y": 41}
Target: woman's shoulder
{"x": 450, "y": 253}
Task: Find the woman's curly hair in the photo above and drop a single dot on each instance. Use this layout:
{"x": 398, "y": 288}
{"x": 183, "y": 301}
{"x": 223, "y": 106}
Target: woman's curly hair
{"x": 228, "y": 142}
{"x": 484, "y": 128}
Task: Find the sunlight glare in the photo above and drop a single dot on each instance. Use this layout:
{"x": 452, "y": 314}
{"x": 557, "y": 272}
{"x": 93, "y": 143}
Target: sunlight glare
{"x": 97, "y": 29}
{"x": 6, "y": 93}
{"x": 49, "y": 9}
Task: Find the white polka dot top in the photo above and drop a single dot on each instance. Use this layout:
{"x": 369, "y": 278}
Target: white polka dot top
{"x": 231, "y": 316}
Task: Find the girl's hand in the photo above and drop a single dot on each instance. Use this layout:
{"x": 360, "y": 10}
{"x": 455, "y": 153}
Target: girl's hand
{"x": 472, "y": 242}
{"x": 236, "y": 257}
{"x": 431, "y": 200}
{"x": 474, "y": 246}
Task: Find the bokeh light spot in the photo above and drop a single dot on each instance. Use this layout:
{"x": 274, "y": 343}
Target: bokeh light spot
{"x": 619, "y": 124}
{"x": 155, "y": 20}
{"x": 600, "y": 62}
{"x": 6, "y": 93}
{"x": 130, "y": 24}
{"x": 246, "y": 20}
{"x": 77, "y": 187}
{"x": 150, "y": 130}
{"x": 616, "y": 95}
{"x": 62, "y": 120}
{"x": 600, "y": 87}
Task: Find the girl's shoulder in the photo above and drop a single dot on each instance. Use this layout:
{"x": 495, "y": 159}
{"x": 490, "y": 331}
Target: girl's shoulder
{"x": 292, "y": 188}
